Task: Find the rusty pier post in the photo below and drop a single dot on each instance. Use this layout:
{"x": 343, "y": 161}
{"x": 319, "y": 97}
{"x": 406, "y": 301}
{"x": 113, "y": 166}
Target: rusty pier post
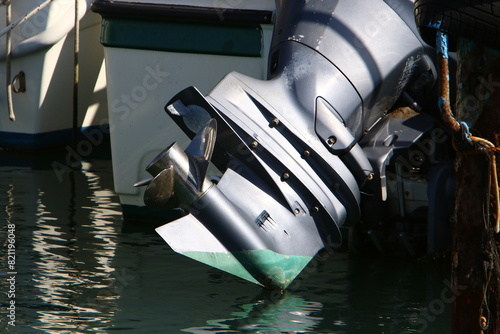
{"x": 475, "y": 252}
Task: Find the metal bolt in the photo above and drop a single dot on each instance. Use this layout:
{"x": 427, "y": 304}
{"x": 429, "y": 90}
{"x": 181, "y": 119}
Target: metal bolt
{"x": 297, "y": 211}
{"x": 285, "y": 176}
{"x": 254, "y": 144}
{"x": 306, "y": 154}
{"x": 332, "y": 140}
{"x": 274, "y": 122}
{"x": 371, "y": 176}
{"x": 315, "y": 209}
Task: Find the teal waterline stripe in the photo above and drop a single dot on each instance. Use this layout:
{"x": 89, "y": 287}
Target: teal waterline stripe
{"x": 200, "y": 38}
{"x": 265, "y": 267}
{"x": 271, "y": 269}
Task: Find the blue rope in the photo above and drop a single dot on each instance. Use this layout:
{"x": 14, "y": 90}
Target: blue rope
{"x": 442, "y": 43}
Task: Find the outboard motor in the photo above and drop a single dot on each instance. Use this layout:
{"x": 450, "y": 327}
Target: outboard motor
{"x": 292, "y": 152}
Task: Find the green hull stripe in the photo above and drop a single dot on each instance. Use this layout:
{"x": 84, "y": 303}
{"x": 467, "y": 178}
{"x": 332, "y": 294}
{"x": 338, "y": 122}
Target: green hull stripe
{"x": 223, "y": 261}
{"x": 271, "y": 269}
{"x": 201, "y": 38}
{"x": 263, "y": 267}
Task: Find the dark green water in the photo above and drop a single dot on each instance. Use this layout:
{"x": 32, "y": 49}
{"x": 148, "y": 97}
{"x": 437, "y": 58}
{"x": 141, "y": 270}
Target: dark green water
{"x": 78, "y": 270}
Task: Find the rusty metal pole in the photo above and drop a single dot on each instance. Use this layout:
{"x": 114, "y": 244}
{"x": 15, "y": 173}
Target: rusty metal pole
{"x": 475, "y": 252}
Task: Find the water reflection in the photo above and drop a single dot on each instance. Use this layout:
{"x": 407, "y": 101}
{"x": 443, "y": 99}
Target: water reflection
{"x": 65, "y": 243}
{"x": 290, "y": 313}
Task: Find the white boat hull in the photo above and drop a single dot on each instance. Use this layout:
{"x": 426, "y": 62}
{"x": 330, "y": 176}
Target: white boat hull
{"x": 43, "y": 49}
{"x": 140, "y": 80}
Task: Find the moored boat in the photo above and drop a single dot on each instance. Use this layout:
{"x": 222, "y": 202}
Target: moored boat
{"x": 155, "y": 48}
{"x": 39, "y": 108}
